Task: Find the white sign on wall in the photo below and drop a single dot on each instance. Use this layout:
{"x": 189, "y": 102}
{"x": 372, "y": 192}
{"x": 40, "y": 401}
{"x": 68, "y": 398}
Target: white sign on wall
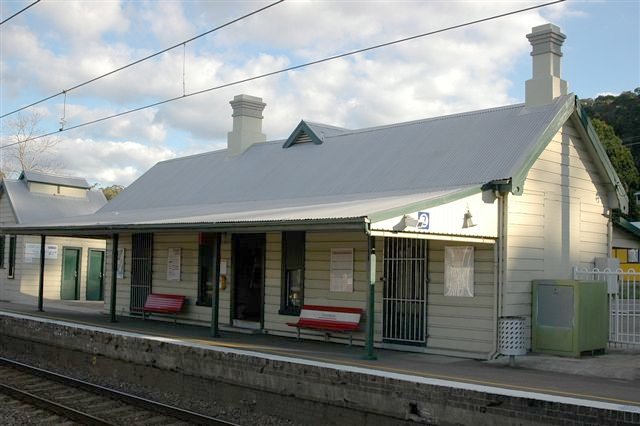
{"x": 341, "y": 278}
{"x": 174, "y": 258}
{"x": 32, "y": 252}
{"x": 120, "y": 264}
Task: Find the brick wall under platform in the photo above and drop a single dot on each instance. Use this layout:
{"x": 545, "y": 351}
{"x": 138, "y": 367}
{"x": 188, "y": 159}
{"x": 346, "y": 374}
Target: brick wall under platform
{"x": 303, "y": 391}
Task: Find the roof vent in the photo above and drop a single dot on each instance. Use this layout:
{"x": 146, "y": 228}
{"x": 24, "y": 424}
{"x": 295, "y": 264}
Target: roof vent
{"x": 546, "y": 84}
{"x": 247, "y": 124}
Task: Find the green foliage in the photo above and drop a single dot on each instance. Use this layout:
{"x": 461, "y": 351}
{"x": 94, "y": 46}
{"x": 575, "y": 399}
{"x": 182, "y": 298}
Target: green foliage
{"x": 621, "y": 112}
{"x": 622, "y": 161}
{"x": 111, "y": 191}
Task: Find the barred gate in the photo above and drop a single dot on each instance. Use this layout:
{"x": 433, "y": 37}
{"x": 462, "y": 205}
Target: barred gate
{"x": 141, "y": 268}
{"x": 624, "y": 303}
{"x": 404, "y": 298}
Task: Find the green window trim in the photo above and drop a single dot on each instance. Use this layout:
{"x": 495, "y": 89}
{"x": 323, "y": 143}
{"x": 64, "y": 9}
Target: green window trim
{"x": 11, "y": 273}
{"x": 293, "y": 255}
{"x": 2, "y": 242}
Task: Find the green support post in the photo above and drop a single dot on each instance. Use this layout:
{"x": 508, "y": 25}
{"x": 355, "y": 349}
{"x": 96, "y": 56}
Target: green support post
{"x": 372, "y": 294}
{"x": 114, "y": 277}
{"x": 41, "y": 284}
{"x": 215, "y": 332}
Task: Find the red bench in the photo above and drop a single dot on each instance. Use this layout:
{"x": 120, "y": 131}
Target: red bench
{"x": 328, "y": 319}
{"x": 163, "y": 304}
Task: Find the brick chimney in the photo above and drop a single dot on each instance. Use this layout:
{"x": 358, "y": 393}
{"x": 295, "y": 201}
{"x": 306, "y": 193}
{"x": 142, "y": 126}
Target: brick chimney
{"x": 247, "y": 124}
{"x": 546, "y": 84}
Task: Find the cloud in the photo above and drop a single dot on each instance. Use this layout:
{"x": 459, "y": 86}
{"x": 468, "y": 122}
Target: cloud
{"x": 108, "y": 162}
{"x": 445, "y": 73}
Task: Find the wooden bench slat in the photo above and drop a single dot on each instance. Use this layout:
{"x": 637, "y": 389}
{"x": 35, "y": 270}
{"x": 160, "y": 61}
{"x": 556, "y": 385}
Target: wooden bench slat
{"x": 328, "y": 318}
{"x": 163, "y": 304}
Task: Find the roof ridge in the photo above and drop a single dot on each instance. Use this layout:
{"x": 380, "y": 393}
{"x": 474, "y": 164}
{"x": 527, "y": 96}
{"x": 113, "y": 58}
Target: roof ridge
{"x": 430, "y": 119}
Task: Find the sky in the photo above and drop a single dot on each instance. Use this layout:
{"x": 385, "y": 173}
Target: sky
{"x": 58, "y": 44}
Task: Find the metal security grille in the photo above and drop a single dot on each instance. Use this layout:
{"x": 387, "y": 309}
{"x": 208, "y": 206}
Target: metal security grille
{"x": 405, "y": 291}
{"x": 141, "y": 268}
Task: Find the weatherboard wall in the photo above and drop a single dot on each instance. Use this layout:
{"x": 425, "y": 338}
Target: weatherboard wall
{"x": 558, "y": 222}
{"x": 24, "y": 286}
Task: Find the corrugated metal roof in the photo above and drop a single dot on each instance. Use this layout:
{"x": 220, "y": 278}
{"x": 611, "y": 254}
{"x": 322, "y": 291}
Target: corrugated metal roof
{"x": 74, "y": 182}
{"x": 302, "y": 209}
{"x": 351, "y": 174}
{"x": 419, "y": 157}
{"x": 31, "y": 207}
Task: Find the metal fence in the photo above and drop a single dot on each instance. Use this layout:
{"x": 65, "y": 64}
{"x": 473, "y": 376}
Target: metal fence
{"x": 624, "y": 303}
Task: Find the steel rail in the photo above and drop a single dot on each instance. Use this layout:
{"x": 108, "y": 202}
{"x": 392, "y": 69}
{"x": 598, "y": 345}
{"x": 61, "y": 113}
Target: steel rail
{"x": 129, "y": 399}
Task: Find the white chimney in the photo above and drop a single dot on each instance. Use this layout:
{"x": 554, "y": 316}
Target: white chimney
{"x": 247, "y": 124}
{"x": 546, "y": 84}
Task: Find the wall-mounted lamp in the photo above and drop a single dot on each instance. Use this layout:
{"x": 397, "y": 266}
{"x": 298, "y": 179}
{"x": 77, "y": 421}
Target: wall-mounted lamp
{"x": 467, "y": 221}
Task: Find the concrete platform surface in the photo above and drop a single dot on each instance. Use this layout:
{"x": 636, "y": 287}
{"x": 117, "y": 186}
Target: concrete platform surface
{"x": 612, "y": 378}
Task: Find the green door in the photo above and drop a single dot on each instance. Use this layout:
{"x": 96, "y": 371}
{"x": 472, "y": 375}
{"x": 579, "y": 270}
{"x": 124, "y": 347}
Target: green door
{"x": 70, "y": 270}
{"x": 94, "y": 275}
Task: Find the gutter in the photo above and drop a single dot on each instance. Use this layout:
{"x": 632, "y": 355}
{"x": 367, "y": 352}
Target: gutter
{"x": 353, "y": 223}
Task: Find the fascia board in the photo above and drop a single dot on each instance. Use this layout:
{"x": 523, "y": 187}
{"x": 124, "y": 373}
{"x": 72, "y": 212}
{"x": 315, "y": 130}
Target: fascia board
{"x": 588, "y": 133}
{"x": 5, "y": 191}
{"x": 556, "y": 124}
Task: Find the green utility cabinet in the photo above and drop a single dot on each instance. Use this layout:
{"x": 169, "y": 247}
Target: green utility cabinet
{"x": 569, "y": 317}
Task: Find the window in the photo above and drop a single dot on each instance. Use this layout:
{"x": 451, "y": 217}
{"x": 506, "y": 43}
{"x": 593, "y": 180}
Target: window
{"x": 292, "y": 272}
{"x": 206, "y": 268}
{"x": 458, "y": 271}
{"x": 1, "y": 251}
{"x": 632, "y": 255}
{"x": 12, "y": 257}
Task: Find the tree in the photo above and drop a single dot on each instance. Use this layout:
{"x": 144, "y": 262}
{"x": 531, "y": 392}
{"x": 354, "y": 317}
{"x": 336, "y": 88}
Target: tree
{"x": 621, "y": 159}
{"x": 23, "y": 153}
{"x": 111, "y": 191}
{"x": 621, "y": 112}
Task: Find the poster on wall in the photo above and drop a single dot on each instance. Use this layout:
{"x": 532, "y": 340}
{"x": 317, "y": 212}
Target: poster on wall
{"x": 341, "y": 271}
{"x": 120, "y": 265}
{"x": 173, "y": 264}
{"x": 32, "y": 252}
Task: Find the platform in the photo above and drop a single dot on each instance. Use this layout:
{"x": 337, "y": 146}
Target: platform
{"x": 610, "y": 381}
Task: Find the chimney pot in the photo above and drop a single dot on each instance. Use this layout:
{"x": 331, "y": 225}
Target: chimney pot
{"x": 546, "y": 84}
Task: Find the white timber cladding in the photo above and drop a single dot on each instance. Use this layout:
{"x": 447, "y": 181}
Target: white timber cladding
{"x": 23, "y": 288}
{"x": 624, "y": 239}
{"x": 448, "y": 219}
{"x": 318, "y": 247}
{"x": 461, "y": 324}
{"x": 6, "y": 211}
{"x": 557, "y": 223}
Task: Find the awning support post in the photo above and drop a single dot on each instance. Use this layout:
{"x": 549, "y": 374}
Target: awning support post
{"x": 114, "y": 277}
{"x": 215, "y": 332}
{"x": 41, "y": 283}
{"x": 371, "y": 260}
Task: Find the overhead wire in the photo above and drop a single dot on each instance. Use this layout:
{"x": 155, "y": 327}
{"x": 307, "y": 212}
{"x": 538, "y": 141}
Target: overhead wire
{"x": 153, "y": 55}
{"x": 292, "y": 68}
{"x": 20, "y": 11}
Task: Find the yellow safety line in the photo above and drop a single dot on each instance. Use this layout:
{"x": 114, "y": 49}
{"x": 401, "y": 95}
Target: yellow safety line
{"x": 346, "y": 362}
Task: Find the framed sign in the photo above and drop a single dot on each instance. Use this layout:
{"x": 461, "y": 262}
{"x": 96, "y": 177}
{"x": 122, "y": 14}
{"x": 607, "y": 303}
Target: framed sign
{"x": 341, "y": 271}
{"x": 174, "y": 258}
{"x": 120, "y": 264}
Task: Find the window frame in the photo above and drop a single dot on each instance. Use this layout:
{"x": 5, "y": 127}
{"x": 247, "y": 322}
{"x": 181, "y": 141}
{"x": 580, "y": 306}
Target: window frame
{"x": 2, "y": 251}
{"x": 13, "y": 243}
{"x": 208, "y": 241}
{"x": 289, "y": 238}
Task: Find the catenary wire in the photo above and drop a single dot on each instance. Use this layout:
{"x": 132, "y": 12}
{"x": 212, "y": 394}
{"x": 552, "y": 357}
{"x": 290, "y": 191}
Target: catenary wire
{"x": 20, "y": 11}
{"x": 295, "y": 67}
{"x": 144, "y": 59}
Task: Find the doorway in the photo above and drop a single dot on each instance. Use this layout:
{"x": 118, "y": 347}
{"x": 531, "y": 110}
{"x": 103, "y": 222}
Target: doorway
{"x": 404, "y": 296}
{"x": 95, "y": 275}
{"x": 70, "y": 286}
{"x": 248, "y": 266}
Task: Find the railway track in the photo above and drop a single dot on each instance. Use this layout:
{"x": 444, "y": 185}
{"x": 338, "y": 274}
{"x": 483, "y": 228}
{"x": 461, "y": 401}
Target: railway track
{"x": 87, "y": 403}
